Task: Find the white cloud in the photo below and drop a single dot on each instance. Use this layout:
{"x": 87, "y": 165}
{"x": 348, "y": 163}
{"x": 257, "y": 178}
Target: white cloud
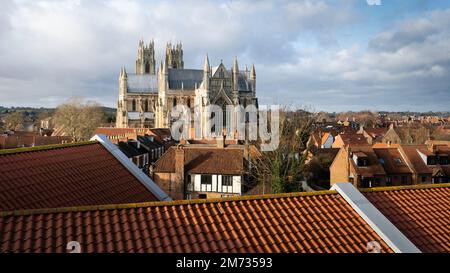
{"x": 51, "y": 50}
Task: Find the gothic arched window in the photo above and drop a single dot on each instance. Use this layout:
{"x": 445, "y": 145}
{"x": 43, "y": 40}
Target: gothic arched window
{"x": 145, "y": 105}
{"x": 133, "y": 105}
{"x": 224, "y": 115}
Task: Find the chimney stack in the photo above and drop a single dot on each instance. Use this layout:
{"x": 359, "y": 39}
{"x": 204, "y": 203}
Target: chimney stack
{"x": 220, "y": 141}
{"x": 179, "y": 162}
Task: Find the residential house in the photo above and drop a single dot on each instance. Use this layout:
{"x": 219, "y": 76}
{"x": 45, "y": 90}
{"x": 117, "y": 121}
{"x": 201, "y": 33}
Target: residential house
{"x": 322, "y": 138}
{"x": 402, "y": 165}
{"x": 74, "y": 174}
{"x": 116, "y": 135}
{"x": 380, "y": 135}
{"x": 162, "y": 135}
{"x": 394, "y": 164}
{"x": 154, "y": 148}
{"x": 359, "y": 165}
{"x": 18, "y": 139}
{"x": 349, "y": 138}
{"x": 202, "y": 171}
{"x": 406, "y": 219}
{"x": 430, "y": 163}
{"x": 136, "y": 153}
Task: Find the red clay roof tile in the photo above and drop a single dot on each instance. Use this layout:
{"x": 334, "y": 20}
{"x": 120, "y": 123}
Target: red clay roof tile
{"x": 422, "y": 215}
{"x": 278, "y": 224}
{"x": 69, "y": 175}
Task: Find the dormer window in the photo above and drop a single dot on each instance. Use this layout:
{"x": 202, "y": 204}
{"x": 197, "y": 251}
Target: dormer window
{"x": 362, "y": 162}
{"x": 360, "y": 159}
{"x": 431, "y": 160}
{"x": 398, "y": 161}
{"x": 443, "y": 159}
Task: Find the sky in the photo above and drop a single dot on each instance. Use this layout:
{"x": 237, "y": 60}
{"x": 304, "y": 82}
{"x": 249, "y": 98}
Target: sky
{"x": 334, "y": 55}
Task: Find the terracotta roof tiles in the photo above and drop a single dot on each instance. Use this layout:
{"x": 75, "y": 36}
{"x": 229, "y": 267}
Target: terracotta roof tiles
{"x": 392, "y": 161}
{"x": 374, "y": 167}
{"x": 204, "y": 160}
{"x": 421, "y": 214}
{"x": 308, "y": 223}
{"x": 66, "y": 175}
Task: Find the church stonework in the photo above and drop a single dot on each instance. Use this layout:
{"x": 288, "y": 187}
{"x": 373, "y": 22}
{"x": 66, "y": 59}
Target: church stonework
{"x": 148, "y": 96}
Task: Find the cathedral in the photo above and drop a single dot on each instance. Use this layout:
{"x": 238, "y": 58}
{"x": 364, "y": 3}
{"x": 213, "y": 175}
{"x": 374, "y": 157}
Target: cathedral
{"x": 147, "y": 97}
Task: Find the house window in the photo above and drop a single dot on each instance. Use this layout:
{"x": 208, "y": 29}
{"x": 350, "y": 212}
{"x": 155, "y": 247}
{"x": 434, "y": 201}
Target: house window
{"x": 224, "y": 115}
{"x": 362, "y": 162}
{"x": 206, "y": 180}
{"x": 376, "y": 183}
{"x": 227, "y": 180}
{"x": 443, "y": 160}
{"x": 431, "y": 160}
{"x": 202, "y": 196}
{"x": 174, "y": 102}
{"x": 424, "y": 179}
{"x": 388, "y": 181}
{"x": 404, "y": 180}
{"x": 133, "y": 105}
{"x": 398, "y": 161}
{"x": 366, "y": 183}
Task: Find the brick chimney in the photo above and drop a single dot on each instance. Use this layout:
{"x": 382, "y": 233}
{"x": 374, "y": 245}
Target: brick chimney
{"x": 179, "y": 161}
{"x": 220, "y": 141}
{"x": 177, "y": 190}
{"x": 182, "y": 141}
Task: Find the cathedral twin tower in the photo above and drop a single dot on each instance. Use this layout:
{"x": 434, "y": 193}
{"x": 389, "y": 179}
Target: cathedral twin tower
{"x": 147, "y": 97}
{"x": 145, "y": 62}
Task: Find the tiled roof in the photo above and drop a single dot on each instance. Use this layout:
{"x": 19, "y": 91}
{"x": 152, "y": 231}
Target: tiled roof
{"x": 376, "y": 132}
{"x": 353, "y": 139}
{"x": 205, "y": 160}
{"x": 302, "y": 222}
{"x": 414, "y": 158}
{"x": 418, "y": 164}
{"x": 112, "y": 131}
{"x": 392, "y": 161}
{"x": 130, "y": 149}
{"x": 24, "y": 140}
{"x": 374, "y": 167}
{"x": 66, "y": 175}
{"x": 384, "y": 145}
{"x": 421, "y": 213}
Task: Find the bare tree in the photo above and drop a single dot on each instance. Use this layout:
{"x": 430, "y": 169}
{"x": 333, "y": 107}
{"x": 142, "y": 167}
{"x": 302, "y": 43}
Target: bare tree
{"x": 14, "y": 120}
{"x": 78, "y": 119}
{"x": 279, "y": 171}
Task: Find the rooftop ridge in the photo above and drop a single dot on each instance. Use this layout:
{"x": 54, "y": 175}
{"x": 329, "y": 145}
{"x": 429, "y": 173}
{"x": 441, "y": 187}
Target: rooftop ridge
{"x": 162, "y": 203}
{"x": 408, "y": 187}
{"x": 45, "y": 147}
